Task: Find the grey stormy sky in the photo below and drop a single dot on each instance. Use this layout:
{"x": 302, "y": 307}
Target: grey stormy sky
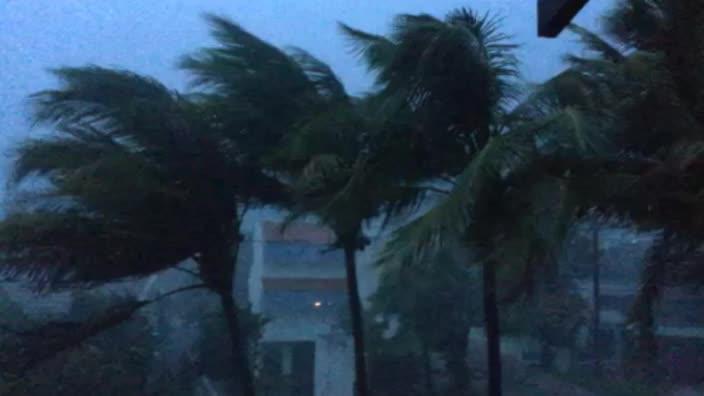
{"x": 148, "y": 36}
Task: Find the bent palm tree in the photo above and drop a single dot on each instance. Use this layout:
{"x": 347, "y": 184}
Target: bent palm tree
{"x": 130, "y": 162}
{"x": 293, "y": 91}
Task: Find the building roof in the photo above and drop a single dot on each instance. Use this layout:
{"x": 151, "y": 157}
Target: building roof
{"x": 297, "y": 232}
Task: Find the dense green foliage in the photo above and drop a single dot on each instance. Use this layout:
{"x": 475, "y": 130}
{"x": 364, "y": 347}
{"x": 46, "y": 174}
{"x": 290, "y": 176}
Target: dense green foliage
{"x": 485, "y": 181}
{"x": 117, "y": 368}
{"x": 427, "y": 311}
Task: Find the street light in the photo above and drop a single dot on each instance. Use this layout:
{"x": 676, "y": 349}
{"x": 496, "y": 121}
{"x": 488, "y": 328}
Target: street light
{"x": 555, "y": 15}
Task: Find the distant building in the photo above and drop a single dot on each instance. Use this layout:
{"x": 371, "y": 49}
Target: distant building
{"x": 298, "y": 283}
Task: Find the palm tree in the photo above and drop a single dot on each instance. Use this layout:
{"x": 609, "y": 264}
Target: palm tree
{"x": 138, "y": 178}
{"x": 672, "y": 29}
{"x": 335, "y": 176}
{"x": 653, "y": 92}
{"x": 453, "y": 75}
{"x": 455, "y": 78}
{"x": 324, "y": 158}
{"x": 137, "y": 181}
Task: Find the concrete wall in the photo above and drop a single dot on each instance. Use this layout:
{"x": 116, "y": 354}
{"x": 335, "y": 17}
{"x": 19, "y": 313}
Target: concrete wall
{"x": 334, "y": 365}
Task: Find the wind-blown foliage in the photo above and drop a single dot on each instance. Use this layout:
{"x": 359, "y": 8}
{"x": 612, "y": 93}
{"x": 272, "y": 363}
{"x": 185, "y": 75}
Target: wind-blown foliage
{"x": 648, "y": 83}
{"x": 328, "y": 160}
{"x": 513, "y": 197}
{"x": 449, "y": 76}
{"x": 247, "y": 80}
{"x": 117, "y": 360}
{"x": 96, "y": 220}
{"x": 430, "y": 309}
{"x": 152, "y": 177}
{"x": 27, "y": 349}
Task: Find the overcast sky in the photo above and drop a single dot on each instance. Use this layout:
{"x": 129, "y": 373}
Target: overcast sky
{"x": 148, "y": 36}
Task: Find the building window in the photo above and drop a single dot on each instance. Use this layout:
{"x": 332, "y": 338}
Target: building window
{"x": 285, "y": 303}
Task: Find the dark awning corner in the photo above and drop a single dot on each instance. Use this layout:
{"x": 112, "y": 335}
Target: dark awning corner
{"x": 555, "y": 15}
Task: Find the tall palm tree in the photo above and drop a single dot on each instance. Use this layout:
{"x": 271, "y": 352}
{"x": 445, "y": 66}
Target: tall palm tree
{"x": 455, "y": 78}
{"x": 138, "y": 178}
{"x": 323, "y": 158}
{"x": 331, "y": 161}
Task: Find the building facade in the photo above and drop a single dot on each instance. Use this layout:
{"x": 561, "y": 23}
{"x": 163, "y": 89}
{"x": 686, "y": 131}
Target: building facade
{"x": 298, "y": 284}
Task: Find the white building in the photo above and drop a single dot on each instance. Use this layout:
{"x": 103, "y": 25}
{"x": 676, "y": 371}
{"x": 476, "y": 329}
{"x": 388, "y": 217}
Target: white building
{"x": 298, "y": 283}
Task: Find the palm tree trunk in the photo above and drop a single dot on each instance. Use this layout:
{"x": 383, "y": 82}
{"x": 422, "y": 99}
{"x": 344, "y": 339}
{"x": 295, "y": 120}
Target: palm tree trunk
{"x": 457, "y": 367}
{"x": 645, "y": 357}
{"x": 596, "y": 286}
{"x": 646, "y": 343}
{"x": 491, "y": 324}
{"x": 240, "y": 358}
{"x": 217, "y": 268}
{"x": 642, "y": 359}
{"x": 428, "y": 370}
{"x": 360, "y": 365}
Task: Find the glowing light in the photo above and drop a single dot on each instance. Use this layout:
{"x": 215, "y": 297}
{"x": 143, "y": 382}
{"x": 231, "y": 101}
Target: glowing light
{"x": 317, "y": 304}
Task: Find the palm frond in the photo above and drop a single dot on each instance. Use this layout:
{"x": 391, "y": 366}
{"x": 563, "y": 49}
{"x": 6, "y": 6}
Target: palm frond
{"x": 107, "y": 106}
{"x": 377, "y": 51}
{"x": 596, "y": 44}
{"x": 461, "y": 210}
{"x": 565, "y": 114}
{"x": 579, "y": 131}
{"x": 256, "y": 90}
{"x": 320, "y": 74}
{"x": 497, "y": 46}
{"x": 340, "y": 129}
{"x": 58, "y": 155}
{"x": 51, "y": 247}
{"x": 95, "y": 93}
{"x": 638, "y": 23}
{"x": 247, "y": 68}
